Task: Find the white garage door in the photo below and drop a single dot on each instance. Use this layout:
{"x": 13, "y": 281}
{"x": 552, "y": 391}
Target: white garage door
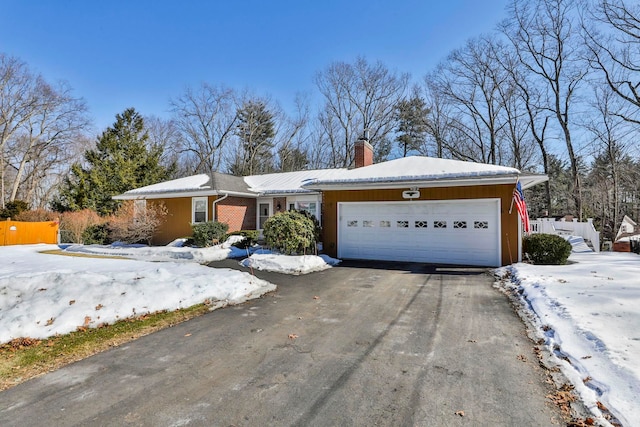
{"x": 463, "y": 232}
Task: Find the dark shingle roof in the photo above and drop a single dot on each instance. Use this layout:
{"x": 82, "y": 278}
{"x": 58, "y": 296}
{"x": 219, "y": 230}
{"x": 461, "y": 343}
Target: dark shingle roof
{"x": 229, "y": 183}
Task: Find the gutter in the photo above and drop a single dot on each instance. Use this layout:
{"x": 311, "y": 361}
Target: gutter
{"x": 174, "y": 194}
{"x": 213, "y": 205}
{"x": 426, "y": 183}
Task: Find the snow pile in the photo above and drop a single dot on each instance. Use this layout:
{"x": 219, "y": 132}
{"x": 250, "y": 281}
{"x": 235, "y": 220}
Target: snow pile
{"x": 587, "y": 312}
{"x": 172, "y": 252}
{"x": 42, "y": 295}
{"x": 301, "y": 264}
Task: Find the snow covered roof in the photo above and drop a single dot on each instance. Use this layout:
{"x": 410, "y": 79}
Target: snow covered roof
{"x": 289, "y": 182}
{"x": 424, "y": 171}
{"x": 202, "y": 184}
{"x": 413, "y": 171}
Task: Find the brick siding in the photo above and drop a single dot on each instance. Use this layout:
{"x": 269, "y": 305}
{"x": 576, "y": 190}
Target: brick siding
{"x": 238, "y": 212}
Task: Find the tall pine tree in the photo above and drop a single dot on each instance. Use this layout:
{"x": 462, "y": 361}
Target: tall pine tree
{"x": 256, "y": 129}
{"x": 122, "y": 160}
{"x": 411, "y": 118}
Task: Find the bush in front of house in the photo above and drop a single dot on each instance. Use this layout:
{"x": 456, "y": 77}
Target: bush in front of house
{"x": 136, "y": 225}
{"x": 37, "y": 215}
{"x": 547, "y": 249}
{"x": 96, "y": 234}
{"x": 74, "y": 224}
{"x": 250, "y": 238}
{"x": 317, "y": 230}
{"x": 208, "y": 233}
{"x": 291, "y": 233}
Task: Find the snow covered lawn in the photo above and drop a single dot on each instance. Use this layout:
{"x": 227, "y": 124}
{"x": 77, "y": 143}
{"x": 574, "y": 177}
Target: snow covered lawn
{"x": 42, "y": 295}
{"x": 588, "y": 312}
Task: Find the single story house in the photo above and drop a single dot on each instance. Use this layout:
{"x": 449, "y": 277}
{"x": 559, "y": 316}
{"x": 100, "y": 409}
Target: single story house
{"x": 415, "y": 208}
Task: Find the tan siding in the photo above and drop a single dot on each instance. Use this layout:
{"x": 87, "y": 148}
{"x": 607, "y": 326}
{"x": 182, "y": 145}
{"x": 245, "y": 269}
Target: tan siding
{"x": 509, "y": 222}
{"x": 178, "y": 221}
{"x": 239, "y": 213}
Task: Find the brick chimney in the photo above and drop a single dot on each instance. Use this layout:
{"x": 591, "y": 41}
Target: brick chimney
{"x": 363, "y": 153}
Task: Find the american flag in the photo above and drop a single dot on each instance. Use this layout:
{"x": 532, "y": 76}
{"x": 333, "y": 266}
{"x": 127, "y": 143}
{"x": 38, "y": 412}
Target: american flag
{"x": 521, "y": 205}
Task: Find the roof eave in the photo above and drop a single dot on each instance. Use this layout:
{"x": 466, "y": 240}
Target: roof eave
{"x": 421, "y": 183}
{"x": 177, "y": 194}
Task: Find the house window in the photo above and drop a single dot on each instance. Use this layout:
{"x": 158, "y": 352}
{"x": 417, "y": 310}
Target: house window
{"x": 459, "y": 224}
{"x": 308, "y": 207}
{"x": 402, "y": 224}
{"x": 440, "y": 224}
{"x": 481, "y": 224}
{"x": 352, "y": 223}
{"x": 366, "y": 223}
{"x": 385, "y": 224}
{"x": 292, "y": 206}
{"x": 198, "y": 209}
{"x": 420, "y": 224}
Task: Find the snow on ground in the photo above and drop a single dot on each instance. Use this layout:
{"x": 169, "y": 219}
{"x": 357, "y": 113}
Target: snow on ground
{"x": 588, "y": 312}
{"x": 42, "y": 294}
{"x": 171, "y": 252}
{"x": 301, "y": 264}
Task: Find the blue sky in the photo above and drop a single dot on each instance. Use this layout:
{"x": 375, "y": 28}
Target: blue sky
{"x": 140, "y": 53}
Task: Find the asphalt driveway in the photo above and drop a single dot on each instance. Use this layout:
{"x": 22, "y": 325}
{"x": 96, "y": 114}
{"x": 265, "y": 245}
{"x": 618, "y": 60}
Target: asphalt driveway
{"x": 363, "y": 344}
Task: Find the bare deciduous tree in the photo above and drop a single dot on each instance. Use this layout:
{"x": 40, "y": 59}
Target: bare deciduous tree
{"x": 614, "y": 47}
{"x": 475, "y": 85}
{"x": 546, "y": 42}
{"x": 206, "y": 119}
{"x": 357, "y": 96}
{"x": 39, "y": 125}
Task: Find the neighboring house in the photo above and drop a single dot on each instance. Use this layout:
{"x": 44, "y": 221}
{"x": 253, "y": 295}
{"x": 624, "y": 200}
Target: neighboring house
{"x": 410, "y": 209}
{"x": 628, "y": 237}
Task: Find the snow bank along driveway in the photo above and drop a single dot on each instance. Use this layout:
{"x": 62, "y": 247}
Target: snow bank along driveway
{"x": 42, "y": 295}
{"x": 588, "y": 312}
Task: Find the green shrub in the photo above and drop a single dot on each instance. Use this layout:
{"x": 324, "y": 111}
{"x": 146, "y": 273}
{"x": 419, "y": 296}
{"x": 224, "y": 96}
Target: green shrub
{"x": 208, "y": 233}
{"x": 291, "y": 233}
{"x": 13, "y": 209}
{"x": 547, "y": 249}
{"x": 96, "y": 234}
{"x": 317, "y": 230}
{"x": 250, "y": 238}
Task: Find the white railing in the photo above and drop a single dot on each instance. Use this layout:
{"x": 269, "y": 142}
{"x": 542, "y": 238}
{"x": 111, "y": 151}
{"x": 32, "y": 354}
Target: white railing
{"x": 568, "y": 228}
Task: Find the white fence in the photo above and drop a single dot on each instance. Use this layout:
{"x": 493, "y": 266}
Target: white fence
{"x": 568, "y": 228}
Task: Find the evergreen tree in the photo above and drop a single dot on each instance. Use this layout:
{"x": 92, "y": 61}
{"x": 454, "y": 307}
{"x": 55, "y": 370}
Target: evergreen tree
{"x": 122, "y": 160}
{"x": 411, "y": 116}
{"x": 256, "y": 130}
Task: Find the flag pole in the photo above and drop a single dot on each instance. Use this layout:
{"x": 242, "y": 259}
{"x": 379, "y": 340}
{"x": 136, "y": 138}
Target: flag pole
{"x": 511, "y": 207}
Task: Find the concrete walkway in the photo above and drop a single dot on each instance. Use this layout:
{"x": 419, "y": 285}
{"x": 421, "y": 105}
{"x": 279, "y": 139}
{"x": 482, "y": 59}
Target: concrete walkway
{"x": 363, "y": 344}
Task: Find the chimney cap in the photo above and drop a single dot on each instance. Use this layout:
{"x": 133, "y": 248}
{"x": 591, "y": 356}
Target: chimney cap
{"x": 365, "y": 134}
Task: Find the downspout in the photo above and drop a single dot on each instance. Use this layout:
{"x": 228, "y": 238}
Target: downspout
{"x": 213, "y": 205}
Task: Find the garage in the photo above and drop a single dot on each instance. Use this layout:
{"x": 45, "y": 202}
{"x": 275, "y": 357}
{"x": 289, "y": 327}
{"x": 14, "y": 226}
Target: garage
{"x": 465, "y": 232}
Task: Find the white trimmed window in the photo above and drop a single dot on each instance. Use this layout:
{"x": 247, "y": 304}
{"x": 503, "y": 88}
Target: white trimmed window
{"x": 199, "y": 209}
